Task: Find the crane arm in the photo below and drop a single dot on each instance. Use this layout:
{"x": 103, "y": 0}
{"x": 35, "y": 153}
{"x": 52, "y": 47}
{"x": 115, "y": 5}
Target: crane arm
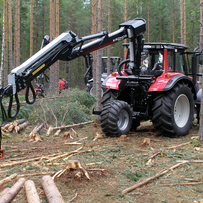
{"x": 65, "y": 47}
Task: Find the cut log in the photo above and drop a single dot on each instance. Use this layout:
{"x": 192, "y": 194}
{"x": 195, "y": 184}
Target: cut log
{"x": 5, "y": 190}
{"x": 8, "y": 179}
{"x": 57, "y": 132}
{"x": 10, "y": 128}
{"x": 18, "y": 122}
{"x": 31, "y": 192}
{"x": 21, "y": 127}
{"x": 51, "y": 191}
{"x": 6, "y": 127}
{"x": 36, "y": 129}
{"x": 50, "y": 129}
{"x": 13, "y": 191}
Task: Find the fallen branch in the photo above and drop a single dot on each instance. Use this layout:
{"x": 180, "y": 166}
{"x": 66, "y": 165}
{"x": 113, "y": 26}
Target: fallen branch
{"x": 190, "y": 161}
{"x": 152, "y": 178}
{"x": 180, "y": 145}
{"x": 8, "y": 179}
{"x": 28, "y": 160}
{"x": 73, "y": 197}
{"x": 76, "y": 142}
{"x": 31, "y": 192}
{"x": 64, "y": 155}
{"x": 22, "y": 162}
{"x": 149, "y": 162}
{"x": 85, "y": 151}
{"x": 74, "y": 132}
{"x": 13, "y": 191}
{"x": 35, "y": 174}
{"x": 182, "y": 184}
{"x": 71, "y": 126}
{"x": 51, "y": 191}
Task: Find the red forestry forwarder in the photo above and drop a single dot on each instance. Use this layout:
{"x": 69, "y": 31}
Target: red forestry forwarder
{"x": 154, "y": 82}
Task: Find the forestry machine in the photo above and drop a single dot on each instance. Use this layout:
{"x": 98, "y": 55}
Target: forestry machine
{"x": 156, "y": 91}
{"x": 88, "y": 77}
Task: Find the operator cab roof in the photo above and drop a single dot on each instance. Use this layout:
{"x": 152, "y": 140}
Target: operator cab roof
{"x": 157, "y": 45}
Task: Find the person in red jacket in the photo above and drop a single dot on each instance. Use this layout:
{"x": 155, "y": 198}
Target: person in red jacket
{"x": 61, "y": 85}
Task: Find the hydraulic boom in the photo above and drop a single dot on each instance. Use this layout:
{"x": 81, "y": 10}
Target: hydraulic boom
{"x": 65, "y": 47}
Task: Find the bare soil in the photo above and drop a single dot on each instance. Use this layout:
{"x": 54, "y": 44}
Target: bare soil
{"x": 112, "y": 163}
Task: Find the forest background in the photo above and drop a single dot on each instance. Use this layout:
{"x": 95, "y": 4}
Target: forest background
{"x": 24, "y": 23}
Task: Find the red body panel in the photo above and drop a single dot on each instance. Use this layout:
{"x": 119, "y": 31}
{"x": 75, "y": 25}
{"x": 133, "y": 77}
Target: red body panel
{"x": 112, "y": 82}
{"x": 162, "y": 81}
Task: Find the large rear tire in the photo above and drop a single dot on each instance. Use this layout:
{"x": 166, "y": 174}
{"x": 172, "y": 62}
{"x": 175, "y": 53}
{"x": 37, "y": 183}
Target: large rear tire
{"x": 173, "y": 111}
{"x": 109, "y": 96}
{"x": 116, "y": 118}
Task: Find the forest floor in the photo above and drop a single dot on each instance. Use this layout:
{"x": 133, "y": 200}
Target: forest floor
{"x": 112, "y": 163}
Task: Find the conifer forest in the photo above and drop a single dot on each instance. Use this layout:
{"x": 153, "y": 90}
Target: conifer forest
{"x": 24, "y": 23}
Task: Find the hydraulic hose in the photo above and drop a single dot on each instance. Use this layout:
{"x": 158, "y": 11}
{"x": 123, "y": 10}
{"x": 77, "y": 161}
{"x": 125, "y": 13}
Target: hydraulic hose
{"x": 30, "y": 87}
{"x": 121, "y": 64}
{"x": 11, "y": 104}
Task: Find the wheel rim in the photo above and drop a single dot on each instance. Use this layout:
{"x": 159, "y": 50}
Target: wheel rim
{"x": 181, "y": 110}
{"x": 123, "y": 120}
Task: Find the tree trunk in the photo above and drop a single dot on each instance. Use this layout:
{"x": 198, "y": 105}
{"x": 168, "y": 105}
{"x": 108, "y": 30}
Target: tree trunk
{"x": 56, "y": 35}
{"x": 10, "y": 37}
{"x": 35, "y": 47}
{"x": 99, "y": 57}
{"x": 2, "y": 51}
{"x": 31, "y": 27}
{"x": 94, "y": 55}
{"x": 5, "y": 68}
{"x": 185, "y": 22}
{"x": 148, "y": 21}
{"x": 51, "y": 191}
{"x": 17, "y": 33}
{"x": 181, "y": 23}
{"x": 109, "y": 47}
{"x": 173, "y": 22}
{"x": 53, "y": 68}
{"x": 31, "y": 192}
{"x": 201, "y": 49}
{"x": 125, "y": 19}
{"x": 13, "y": 191}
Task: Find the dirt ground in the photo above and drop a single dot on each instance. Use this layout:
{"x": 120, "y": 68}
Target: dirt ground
{"x": 113, "y": 164}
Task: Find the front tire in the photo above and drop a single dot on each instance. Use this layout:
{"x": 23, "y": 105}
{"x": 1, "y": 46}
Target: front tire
{"x": 173, "y": 111}
{"x": 116, "y": 118}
